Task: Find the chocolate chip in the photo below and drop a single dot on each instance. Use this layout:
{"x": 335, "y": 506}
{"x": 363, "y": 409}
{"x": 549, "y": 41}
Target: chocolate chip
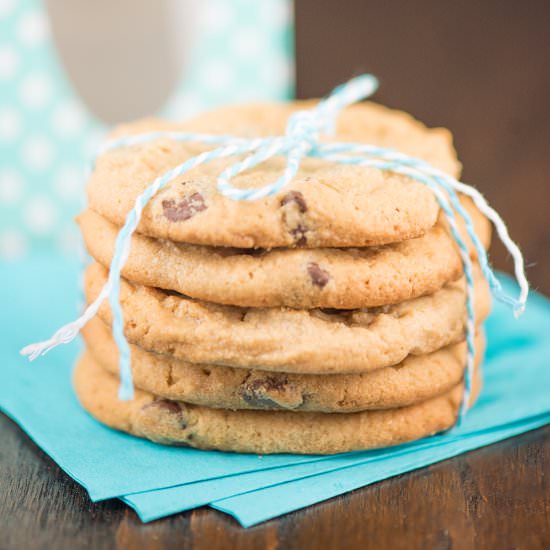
{"x": 319, "y": 276}
{"x": 292, "y": 216}
{"x": 184, "y": 209}
{"x": 270, "y": 383}
{"x": 299, "y": 234}
{"x": 297, "y": 198}
{"x": 230, "y": 251}
{"x": 254, "y": 393}
{"x": 259, "y": 402}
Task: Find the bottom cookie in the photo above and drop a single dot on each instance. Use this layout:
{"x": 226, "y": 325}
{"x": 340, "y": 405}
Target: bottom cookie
{"x": 262, "y": 432}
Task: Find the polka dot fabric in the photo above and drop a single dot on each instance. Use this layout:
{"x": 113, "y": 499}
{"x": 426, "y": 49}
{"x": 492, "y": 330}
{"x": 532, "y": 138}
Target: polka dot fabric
{"x": 243, "y": 51}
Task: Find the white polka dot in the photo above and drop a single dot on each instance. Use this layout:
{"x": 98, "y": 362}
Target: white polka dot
{"x": 12, "y": 244}
{"x": 68, "y": 119}
{"x": 278, "y": 13}
{"x": 248, "y": 43}
{"x": 37, "y": 152}
{"x": 216, "y": 16}
{"x": 9, "y": 63}
{"x": 35, "y": 90}
{"x": 39, "y": 215}
{"x": 92, "y": 143}
{"x": 278, "y": 74}
{"x": 6, "y": 7}
{"x": 68, "y": 240}
{"x": 186, "y": 105}
{"x": 217, "y": 76}
{"x": 33, "y": 29}
{"x": 69, "y": 182}
{"x": 10, "y": 124}
{"x": 11, "y": 186}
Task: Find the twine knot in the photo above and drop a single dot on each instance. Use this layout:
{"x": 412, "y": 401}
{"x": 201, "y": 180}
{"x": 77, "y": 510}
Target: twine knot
{"x": 304, "y": 129}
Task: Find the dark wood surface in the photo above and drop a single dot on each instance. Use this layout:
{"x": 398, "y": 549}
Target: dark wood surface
{"x": 496, "y": 497}
{"x": 480, "y": 68}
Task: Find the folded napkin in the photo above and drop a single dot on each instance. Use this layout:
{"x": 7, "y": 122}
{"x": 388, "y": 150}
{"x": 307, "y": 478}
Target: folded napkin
{"x": 41, "y": 293}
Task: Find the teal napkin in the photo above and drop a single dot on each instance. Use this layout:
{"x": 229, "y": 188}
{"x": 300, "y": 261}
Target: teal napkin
{"x": 258, "y": 496}
{"x": 260, "y": 505}
{"x": 39, "y": 294}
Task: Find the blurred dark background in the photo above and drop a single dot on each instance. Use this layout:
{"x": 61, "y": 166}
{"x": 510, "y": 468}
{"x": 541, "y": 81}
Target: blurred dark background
{"x": 479, "y": 68}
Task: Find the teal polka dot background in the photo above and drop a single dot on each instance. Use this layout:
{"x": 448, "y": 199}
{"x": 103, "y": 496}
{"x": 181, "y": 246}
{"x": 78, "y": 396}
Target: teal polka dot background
{"x": 242, "y": 50}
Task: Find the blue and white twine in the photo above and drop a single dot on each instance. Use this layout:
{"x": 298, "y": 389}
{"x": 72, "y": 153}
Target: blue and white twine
{"x": 302, "y": 139}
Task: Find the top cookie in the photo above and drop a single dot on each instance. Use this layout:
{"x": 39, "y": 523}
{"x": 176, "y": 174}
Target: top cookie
{"x": 326, "y": 205}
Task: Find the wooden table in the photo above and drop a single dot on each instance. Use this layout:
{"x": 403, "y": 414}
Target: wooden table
{"x": 479, "y": 68}
{"x": 496, "y": 497}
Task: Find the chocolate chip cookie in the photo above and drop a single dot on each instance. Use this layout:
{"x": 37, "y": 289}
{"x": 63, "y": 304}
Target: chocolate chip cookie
{"x": 300, "y": 278}
{"x": 281, "y": 339}
{"x": 326, "y": 205}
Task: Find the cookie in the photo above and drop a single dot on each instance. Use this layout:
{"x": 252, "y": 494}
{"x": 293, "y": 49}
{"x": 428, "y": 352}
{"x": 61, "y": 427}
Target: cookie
{"x": 415, "y": 379}
{"x": 326, "y": 205}
{"x": 173, "y": 422}
{"x": 302, "y": 341}
{"x": 298, "y": 278}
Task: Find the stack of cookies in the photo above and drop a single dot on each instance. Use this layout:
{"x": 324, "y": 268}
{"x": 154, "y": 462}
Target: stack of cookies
{"x": 327, "y": 318}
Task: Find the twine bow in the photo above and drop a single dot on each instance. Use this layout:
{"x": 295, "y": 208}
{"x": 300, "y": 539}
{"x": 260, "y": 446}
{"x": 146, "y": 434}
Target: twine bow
{"x": 302, "y": 139}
